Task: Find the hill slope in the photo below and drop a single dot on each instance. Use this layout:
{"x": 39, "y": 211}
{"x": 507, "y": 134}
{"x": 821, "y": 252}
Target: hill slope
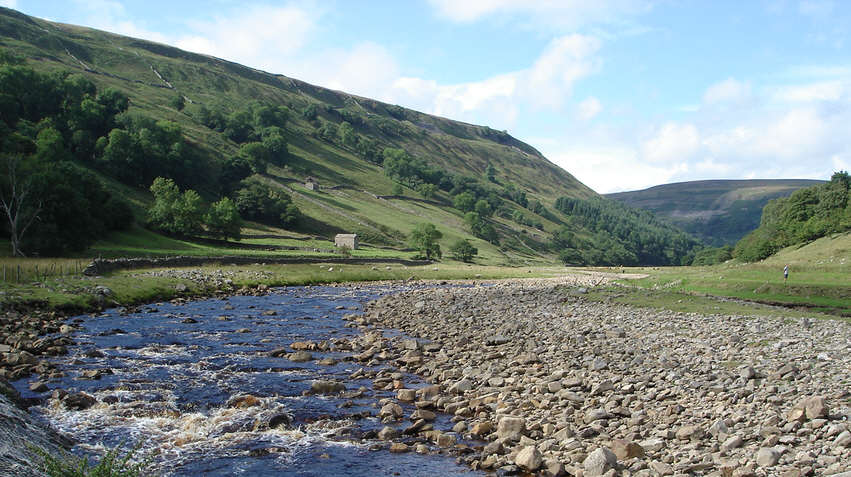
{"x": 719, "y": 212}
{"x": 350, "y": 164}
{"x": 806, "y": 215}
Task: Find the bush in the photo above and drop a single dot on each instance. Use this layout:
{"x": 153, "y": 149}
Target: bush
{"x": 112, "y": 464}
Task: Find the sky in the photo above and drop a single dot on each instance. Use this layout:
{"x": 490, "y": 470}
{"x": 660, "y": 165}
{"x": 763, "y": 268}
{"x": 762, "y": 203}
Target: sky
{"x": 623, "y": 94}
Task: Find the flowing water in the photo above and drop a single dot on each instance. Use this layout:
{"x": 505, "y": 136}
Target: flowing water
{"x": 169, "y": 374}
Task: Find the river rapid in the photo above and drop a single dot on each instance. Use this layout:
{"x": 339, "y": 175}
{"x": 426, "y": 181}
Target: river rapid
{"x": 197, "y": 389}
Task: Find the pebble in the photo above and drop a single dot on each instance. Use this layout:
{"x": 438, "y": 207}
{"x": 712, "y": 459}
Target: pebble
{"x": 533, "y": 367}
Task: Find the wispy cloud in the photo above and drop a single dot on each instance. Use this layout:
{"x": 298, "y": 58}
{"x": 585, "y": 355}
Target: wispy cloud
{"x": 589, "y": 108}
{"x": 727, "y": 91}
{"x": 565, "y": 14}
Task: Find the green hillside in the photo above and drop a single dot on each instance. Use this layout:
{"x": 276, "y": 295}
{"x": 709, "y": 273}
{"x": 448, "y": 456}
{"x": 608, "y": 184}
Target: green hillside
{"x": 718, "y": 212}
{"x": 806, "y": 215}
{"x": 123, "y": 111}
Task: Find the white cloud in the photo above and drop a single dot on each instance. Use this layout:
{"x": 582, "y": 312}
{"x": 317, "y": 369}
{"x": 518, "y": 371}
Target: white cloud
{"x": 589, "y": 108}
{"x": 566, "y": 14}
{"x": 672, "y": 142}
{"x": 727, "y": 91}
{"x": 820, "y": 91}
{"x": 604, "y": 167}
{"x": 367, "y": 69}
{"x": 797, "y": 135}
{"x": 564, "y": 61}
{"x": 109, "y": 15}
{"x": 9, "y": 3}
{"x": 260, "y": 36}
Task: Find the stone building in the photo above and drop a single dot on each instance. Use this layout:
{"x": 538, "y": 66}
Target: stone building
{"x": 346, "y": 240}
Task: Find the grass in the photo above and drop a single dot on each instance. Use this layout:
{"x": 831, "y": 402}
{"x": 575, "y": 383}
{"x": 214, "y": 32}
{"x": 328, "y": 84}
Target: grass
{"x": 112, "y": 464}
{"x": 684, "y": 302}
{"x": 22, "y": 270}
{"x": 819, "y": 279}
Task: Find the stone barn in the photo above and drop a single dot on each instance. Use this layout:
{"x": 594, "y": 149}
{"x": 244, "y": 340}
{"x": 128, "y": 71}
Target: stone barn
{"x": 346, "y": 240}
{"x": 310, "y": 184}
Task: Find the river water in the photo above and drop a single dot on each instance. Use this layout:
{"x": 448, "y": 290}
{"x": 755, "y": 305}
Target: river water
{"x": 166, "y": 378}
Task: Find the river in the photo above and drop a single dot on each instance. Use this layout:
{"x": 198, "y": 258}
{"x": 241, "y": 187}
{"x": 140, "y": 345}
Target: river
{"x": 172, "y": 380}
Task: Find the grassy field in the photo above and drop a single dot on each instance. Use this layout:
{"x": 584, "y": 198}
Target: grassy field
{"x": 819, "y": 278}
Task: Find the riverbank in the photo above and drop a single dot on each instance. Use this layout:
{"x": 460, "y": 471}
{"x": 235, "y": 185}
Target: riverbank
{"x": 556, "y": 383}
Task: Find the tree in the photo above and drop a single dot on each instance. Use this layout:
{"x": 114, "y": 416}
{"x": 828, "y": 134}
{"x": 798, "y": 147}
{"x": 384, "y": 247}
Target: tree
{"x": 19, "y": 207}
{"x": 490, "y": 172}
{"x": 178, "y": 102}
{"x": 427, "y": 190}
{"x": 256, "y": 155}
{"x": 347, "y": 134}
{"x": 161, "y": 213}
{"x": 175, "y": 212}
{"x": 188, "y": 214}
{"x": 483, "y": 208}
{"x": 275, "y": 144}
{"x": 222, "y": 220}
{"x": 424, "y": 239}
{"x": 259, "y": 202}
{"x": 480, "y": 227}
{"x": 463, "y": 250}
{"x": 465, "y": 201}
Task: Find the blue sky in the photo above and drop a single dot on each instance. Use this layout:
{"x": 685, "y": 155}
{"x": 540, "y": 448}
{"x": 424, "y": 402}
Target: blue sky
{"x": 624, "y": 94}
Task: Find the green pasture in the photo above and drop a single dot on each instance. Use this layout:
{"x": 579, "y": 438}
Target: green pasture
{"x": 819, "y": 278}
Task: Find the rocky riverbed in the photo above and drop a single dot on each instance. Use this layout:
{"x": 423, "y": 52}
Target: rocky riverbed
{"x": 555, "y": 384}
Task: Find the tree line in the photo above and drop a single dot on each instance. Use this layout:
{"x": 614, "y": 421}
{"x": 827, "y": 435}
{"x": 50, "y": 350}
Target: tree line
{"x": 618, "y": 235}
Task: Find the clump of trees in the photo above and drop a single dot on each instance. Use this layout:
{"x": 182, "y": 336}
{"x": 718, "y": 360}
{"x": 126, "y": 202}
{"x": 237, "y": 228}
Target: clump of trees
{"x": 424, "y": 239}
{"x": 804, "y": 216}
{"x": 463, "y": 250}
{"x": 259, "y": 202}
{"x": 185, "y": 213}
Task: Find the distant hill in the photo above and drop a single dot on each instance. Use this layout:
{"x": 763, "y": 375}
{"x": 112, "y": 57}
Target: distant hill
{"x": 718, "y": 212}
{"x": 348, "y": 163}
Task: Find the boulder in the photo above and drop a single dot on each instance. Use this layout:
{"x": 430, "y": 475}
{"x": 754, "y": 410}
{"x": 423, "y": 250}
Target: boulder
{"x": 767, "y": 457}
{"x": 300, "y": 357}
{"x": 625, "y": 449}
{"x": 511, "y": 426}
{"x": 243, "y": 401}
{"x": 406, "y": 395}
{"x": 529, "y": 458}
{"x": 598, "y": 462}
{"x": 79, "y": 401}
{"x": 326, "y": 387}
